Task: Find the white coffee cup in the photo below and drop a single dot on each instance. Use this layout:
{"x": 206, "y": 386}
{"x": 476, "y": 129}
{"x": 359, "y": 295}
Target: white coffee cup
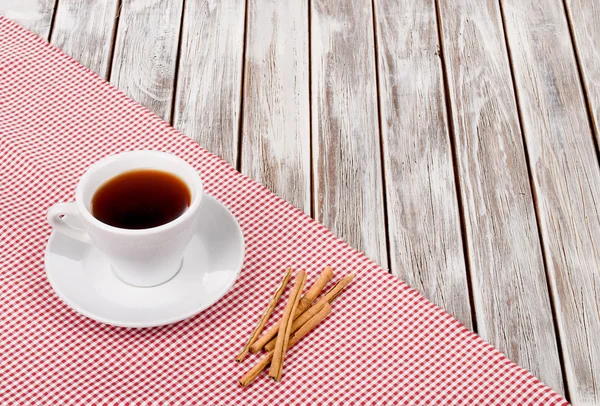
{"x": 145, "y": 257}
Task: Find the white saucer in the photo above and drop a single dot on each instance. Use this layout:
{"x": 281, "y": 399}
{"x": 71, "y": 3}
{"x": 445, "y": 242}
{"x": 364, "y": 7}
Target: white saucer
{"x": 83, "y": 279}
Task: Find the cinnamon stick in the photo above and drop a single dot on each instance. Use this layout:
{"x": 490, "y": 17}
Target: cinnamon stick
{"x": 298, "y": 335}
{"x": 315, "y": 290}
{"x": 265, "y": 317}
{"x": 328, "y": 297}
{"x": 304, "y": 304}
{"x": 299, "y": 322}
{"x": 285, "y": 327}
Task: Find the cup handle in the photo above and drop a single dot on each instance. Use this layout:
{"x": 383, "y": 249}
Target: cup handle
{"x": 65, "y": 218}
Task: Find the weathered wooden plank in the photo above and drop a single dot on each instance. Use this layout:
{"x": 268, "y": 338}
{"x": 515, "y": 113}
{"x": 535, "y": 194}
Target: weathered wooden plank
{"x": 84, "y": 31}
{"x": 207, "y": 106}
{"x": 584, "y": 17}
{"x": 276, "y": 118}
{"x": 566, "y": 178}
{"x": 424, "y": 224}
{"x": 146, "y": 51}
{"x": 511, "y": 299}
{"x": 35, "y": 15}
{"x": 348, "y": 188}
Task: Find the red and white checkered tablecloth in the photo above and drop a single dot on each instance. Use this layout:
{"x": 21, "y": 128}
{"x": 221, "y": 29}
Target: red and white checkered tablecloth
{"x": 383, "y": 343}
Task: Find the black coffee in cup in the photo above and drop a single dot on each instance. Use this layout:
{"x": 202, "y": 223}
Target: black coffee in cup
{"x": 140, "y": 199}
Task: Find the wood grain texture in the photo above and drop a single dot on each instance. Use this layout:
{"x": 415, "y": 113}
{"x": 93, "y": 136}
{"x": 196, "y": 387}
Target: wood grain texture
{"x": 510, "y": 293}
{"x": 348, "y": 188}
{"x": 84, "y": 31}
{"x": 207, "y": 106}
{"x": 566, "y": 179}
{"x": 35, "y": 15}
{"x": 584, "y": 18}
{"x": 276, "y": 133}
{"x": 424, "y": 225}
{"x": 146, "y": 51}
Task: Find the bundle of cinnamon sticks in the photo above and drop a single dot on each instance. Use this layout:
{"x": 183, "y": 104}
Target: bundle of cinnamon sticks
{"x": 300, "y": 316}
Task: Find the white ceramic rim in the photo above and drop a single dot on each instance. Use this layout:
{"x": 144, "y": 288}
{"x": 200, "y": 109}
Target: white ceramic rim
{"x": 194, "y": 206}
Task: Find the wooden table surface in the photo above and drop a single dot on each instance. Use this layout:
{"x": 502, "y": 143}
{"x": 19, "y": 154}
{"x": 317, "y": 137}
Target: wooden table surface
{"x": 454, "y": 142}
